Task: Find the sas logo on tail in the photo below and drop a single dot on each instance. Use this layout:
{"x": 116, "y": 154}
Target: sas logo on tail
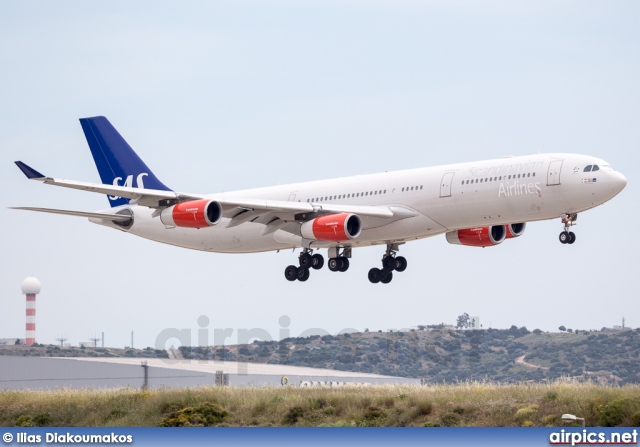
{"x": 129, "y": 183}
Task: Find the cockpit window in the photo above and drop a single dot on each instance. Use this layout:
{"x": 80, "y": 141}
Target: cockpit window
{"x": 587, "y": 169}
{"x": 595, "y": 168}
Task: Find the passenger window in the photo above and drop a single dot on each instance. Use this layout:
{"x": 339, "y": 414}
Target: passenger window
{"x": 587, "y": 169}
{"x": 595, "y": 168}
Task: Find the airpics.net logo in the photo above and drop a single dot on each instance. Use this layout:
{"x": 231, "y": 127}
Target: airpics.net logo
{"x": 586, "y": 437}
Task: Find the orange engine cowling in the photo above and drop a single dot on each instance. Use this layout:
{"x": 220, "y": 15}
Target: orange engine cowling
{"x": 515, "y": 230}
{"x": 334, "y": 227}
{"x": 478, "y": 237}
{"x": 192, "y": 214}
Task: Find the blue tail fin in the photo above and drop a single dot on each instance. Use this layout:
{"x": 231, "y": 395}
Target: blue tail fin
{"x": 117, "y": 163}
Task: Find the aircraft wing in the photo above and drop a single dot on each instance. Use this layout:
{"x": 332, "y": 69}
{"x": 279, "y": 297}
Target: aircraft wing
{"x": 142, "y": 196}
{"x": 75, "y": 213}
{"x": 239, "y": 210}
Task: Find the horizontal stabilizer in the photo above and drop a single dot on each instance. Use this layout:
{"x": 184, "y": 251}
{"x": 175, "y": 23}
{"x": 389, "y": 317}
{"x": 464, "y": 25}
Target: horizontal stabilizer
{"x": 75, "y": 213}
{"x": 28, "y": 170}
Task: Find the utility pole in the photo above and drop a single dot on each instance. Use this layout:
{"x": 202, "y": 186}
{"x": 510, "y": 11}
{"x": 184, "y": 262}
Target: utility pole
{"x": 145, "y": 384}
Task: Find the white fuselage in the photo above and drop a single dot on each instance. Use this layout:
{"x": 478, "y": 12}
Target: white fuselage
{"x": 438, "y": 199}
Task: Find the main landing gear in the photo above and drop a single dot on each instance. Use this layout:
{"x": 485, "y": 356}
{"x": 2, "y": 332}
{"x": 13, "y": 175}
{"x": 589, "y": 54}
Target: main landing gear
{"x": 568, "y": 237}
{"x": 307, "y": 261}
{"x": 390, "y": 262}
{"x": 339, "y": 261}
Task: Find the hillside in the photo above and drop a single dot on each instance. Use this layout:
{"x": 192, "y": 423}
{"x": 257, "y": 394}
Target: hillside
{"x": 38, "y": 350}
{"x": 442, "y": 355}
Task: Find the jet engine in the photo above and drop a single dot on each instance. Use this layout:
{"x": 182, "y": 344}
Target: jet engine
{"x": 515, "y": 230}
{"x": 333, "y": 227}
{"x": 479, "y": 236}
{"x": 192, "y": 214}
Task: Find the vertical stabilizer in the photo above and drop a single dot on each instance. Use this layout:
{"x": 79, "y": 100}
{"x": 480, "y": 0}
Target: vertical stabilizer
{"x": 116, "y": 161}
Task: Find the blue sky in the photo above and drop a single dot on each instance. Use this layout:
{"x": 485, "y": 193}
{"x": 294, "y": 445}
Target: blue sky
{"x": 230, "y": 95}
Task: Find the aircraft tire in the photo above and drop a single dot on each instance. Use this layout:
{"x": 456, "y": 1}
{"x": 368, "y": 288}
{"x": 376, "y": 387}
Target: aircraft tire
{"x": 401, "y": 264}
{"x": 317, "y": 261}
{"x": 375, "y": 275}
{"x": 344, "y": 264}
{"x": 386, "y": 278}
{"x": 303, "y": 274}
{"x": 334, "y": 264}
{"x": 388, "y": 263}
{"x": 305, "y": 260}
{"x": 291, "y": 273}
{"x": 564, "y": 237}
{"x": 572, "y": 237}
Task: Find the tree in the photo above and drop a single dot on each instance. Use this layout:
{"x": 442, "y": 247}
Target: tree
{"x": 562, "y": 328}
{"x": 463, "y": 321}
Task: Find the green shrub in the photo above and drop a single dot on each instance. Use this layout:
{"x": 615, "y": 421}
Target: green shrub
{"x": 373, "y": 417}
{"x": 617, "y": 411}
{"x": 204, "y": 415}
{"x": 38, "y": 420}
{"x": 450, "y": 420}
{"x": 423, "y": 408}
{"x": 24, "y": 421}
{"x": 293, "y": 415}
{"x": 524, "y": 416}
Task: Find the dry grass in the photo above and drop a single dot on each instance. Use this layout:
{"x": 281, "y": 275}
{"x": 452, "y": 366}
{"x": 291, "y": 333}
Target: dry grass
{"x": 466, "y": 404}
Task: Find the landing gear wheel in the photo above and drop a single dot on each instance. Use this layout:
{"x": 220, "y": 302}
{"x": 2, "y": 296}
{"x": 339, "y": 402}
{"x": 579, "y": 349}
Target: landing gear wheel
{"x": 317, "y": 261}
{"x": 305, "y": 260}
{"x": 303, "y": 274}
{"x": 401, "y": 264}
{"x": 345, "y": 264}
{"x": 565, "y": 237}
{"x": 291, "y": 273}
{"x": 388, "y": 263}
{"x": 572, "y": 237}
{"x": 334, "y": 264}
{"x": 375, "y": 275}
{"x": 386, "y": 278}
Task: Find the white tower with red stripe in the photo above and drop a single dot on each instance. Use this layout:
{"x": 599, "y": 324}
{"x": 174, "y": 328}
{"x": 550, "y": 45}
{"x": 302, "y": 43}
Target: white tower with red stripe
{"x": 31, "y": 287}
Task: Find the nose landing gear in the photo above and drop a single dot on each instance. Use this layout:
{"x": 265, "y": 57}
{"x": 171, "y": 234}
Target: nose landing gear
{"x": 390, "y": 262}
{"x": 568, "y": 237}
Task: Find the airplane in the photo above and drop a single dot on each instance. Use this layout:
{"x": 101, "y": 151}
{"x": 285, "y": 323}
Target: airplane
{"x": 478, "y": 204}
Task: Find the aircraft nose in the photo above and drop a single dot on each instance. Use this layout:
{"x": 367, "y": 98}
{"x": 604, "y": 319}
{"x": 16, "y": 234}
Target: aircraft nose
{"x": 620, "y": 181}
